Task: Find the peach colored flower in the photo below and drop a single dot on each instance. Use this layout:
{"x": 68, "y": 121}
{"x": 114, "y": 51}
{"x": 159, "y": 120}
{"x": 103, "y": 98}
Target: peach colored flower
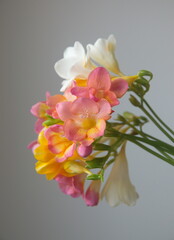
{"x": 84, "y": 119}
{"x": 99, "y": 86}
{"x": 42, "y": 109}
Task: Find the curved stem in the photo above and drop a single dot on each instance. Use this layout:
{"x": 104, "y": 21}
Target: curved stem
{"x": 169, "y": 160}
{"x": 156, "y": 123}
{"x": 136, "y": 140}
{"x": 160, "y": 145}
{"x": 157, "y": 117}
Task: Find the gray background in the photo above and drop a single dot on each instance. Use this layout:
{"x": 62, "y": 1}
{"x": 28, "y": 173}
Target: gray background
{"x": 34, "y": 35}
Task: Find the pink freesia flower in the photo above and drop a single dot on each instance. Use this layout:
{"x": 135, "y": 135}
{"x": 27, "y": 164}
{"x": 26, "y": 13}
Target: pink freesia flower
{"x": 58, "y": 143}
{"x": 119, "y": 86}
{"x": 84, "y": 119}
{"x": 48, "y": 107}
{"x": 63, "y": 147}
{"x": 39, "y": 110}
{"x": 92, "y": 195}
{"x": 99, "y": 86}
{"x": 33, "y": 145}
{"x": 73, "y": 186}
{"x": 51, "y": 102}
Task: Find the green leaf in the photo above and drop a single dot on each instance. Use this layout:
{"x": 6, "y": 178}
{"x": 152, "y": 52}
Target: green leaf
{"x": 96, "y": 162}
{"x": 101, "y": 146}
{"x": 121, "y": 118}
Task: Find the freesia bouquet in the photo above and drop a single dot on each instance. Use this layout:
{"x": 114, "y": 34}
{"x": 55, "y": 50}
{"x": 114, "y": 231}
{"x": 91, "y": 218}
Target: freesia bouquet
{"x": 77, "y": 137}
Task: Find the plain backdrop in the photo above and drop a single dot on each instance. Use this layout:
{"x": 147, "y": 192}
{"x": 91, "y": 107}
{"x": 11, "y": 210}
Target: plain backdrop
{"x": 33, "y": 36}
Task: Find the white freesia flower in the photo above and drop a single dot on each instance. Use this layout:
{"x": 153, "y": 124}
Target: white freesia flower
{"x": 103, "y": 53}
{"x": 118, "y": 188}
{"x": 75, "y": 63}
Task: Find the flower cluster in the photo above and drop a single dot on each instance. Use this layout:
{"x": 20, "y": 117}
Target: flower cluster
{"x": 71, "y": 127}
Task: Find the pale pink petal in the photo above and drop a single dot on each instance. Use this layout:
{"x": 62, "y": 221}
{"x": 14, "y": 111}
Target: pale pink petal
{"x": 53, "y": 100}
{"x": 33, "y": 145}
{"x": 38, "y": 125}
{"x": 99, "y": 79}
{"x": 92, "y": 195}
{"x": 84, "y": 151}
{"x": 64, "y": 110}
{"x": 47, "y": 94}
{"x": 72, "y": 186}
{"x": 68, "y": 95}
{"x": 80, "y": 92}
{"x": 111, "y": 98}
{"x": 84, "y": 107}
{"x": 119, "y": 86}
{"x": 74, "y": 132}
{"x": 105, "y": 109}
{"x": 35, "y": 109}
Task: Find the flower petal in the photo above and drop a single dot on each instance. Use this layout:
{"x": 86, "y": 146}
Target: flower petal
{"x": 118, "y": 187}
{"x": 84, "y": 107}
{"x": 80, "y": 92}
{"x": 119, "y": 86}
{"x": 72, "y": 186}
{"x": 102, "y": 52}
{"x": 74, "y": 132}
{"x": 105, "y": 109}
{"x": 63, "y": 110}
{"x": 99, "y": 79}
{"x": 92, "y": 195}
{"x": 84, "y": 151}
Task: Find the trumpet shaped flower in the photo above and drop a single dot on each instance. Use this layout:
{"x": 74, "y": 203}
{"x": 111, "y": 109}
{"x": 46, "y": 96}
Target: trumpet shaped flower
{"x": 84, "y": 119}
{"x": 99, "y": 86}
{"x": 74, "y": 64}
{"x": 103, "y": 53}
{"x": 118, "y": 188}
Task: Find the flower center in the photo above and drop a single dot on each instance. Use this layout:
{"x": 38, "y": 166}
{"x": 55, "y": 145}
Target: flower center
{"x": 88, "y": 123}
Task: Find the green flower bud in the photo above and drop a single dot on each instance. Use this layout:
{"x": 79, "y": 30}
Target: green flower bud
{"x": 134, "y": 101}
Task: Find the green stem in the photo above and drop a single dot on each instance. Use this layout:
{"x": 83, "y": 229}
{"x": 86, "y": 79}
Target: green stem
{"x": 158, "y": 144}
{"x": 157, "y": 117}
{"x": 131, "y": 139}
{"x": 156, "y": 123}
{"x": 136, "y": 141}
{"x": 167, "y": 147}
{"x": 169, "y": 160}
